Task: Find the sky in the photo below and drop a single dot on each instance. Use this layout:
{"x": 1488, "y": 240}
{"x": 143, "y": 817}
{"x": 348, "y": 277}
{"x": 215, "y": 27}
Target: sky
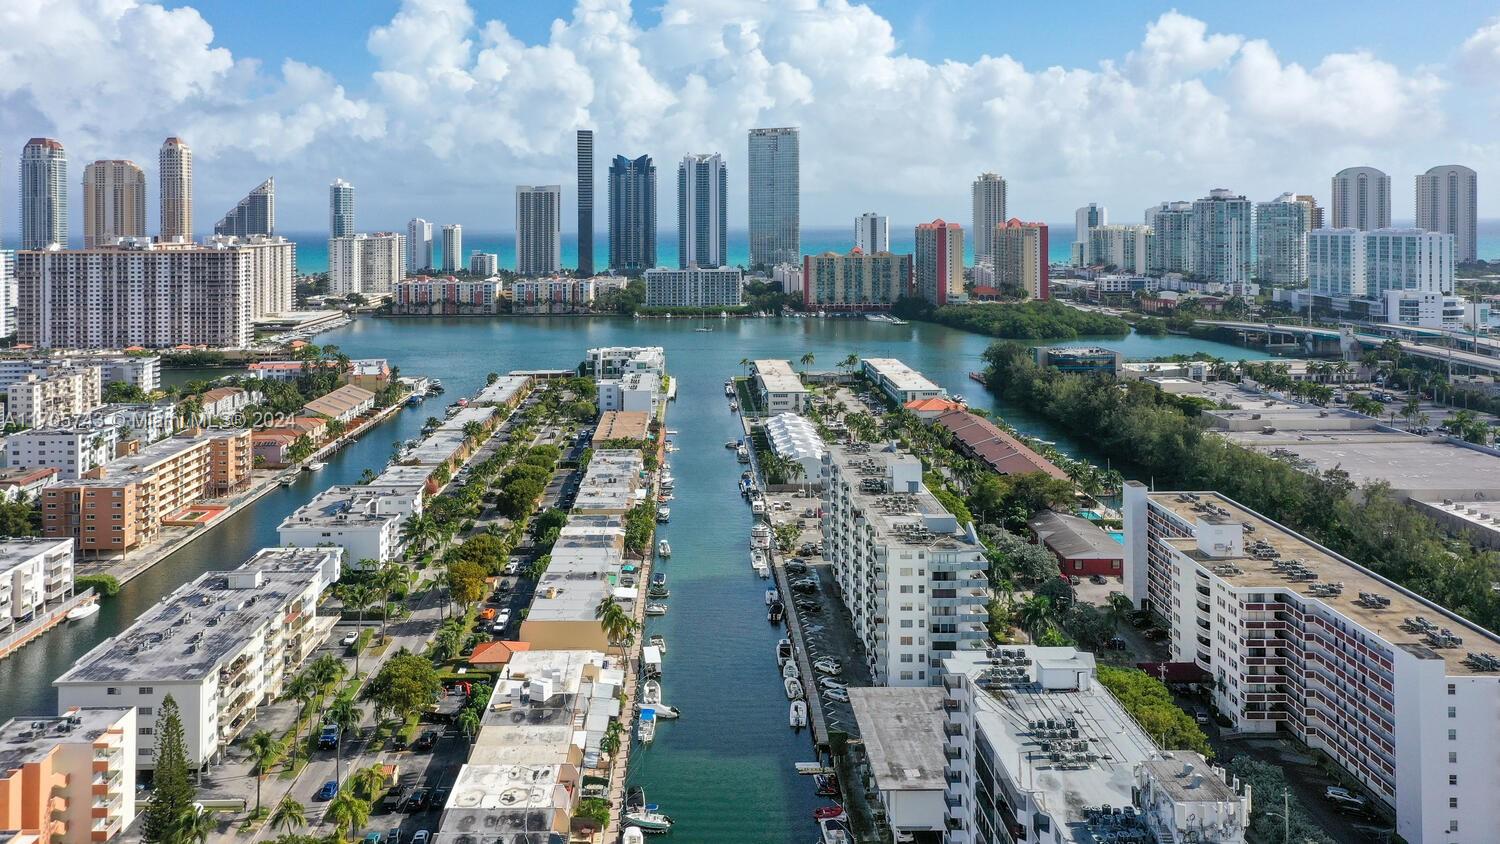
{"x": 438, "y": 108}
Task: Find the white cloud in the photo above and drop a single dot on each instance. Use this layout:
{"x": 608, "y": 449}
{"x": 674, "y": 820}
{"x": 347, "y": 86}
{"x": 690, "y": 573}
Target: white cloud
{"x": 459, "y": 109}
{"x": 1480, "y": 52}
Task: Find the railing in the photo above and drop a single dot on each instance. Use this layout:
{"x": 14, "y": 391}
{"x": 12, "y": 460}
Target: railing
{"x": 46, "y": 619}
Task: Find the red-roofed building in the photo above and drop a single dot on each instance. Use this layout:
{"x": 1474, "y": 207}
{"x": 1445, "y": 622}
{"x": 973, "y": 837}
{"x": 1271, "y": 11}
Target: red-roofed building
{"x": 933, "y": 407}
{"x": 496, "y": 655}
{"x": 983, "y": 440}
{"x": 939, "y": 264}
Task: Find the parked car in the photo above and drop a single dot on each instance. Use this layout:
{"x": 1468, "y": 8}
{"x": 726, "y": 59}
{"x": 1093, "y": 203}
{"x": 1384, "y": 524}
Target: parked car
{"x": 328, "y": 790}
{"x": 831, "y": 683}
{"x": 328, "y": 738}
{"x": 1115, "y": 643}
{"x": 349, "y": 638}
{"x": 394, "y": 836}
{"x": 420, "y": 836}
{"x": 796, "y": 567}
{"x": 1073, "y": 580}
{"x": 1098, "y": 579}
{"x": 804, "y": 585}
{"x": 839, "y": 695}
{"x": 503, "y": 618}
{"x": 394, "y": 799}
{"x": 417, "y": 802}
{"x": 426, "y": 740}
{"x": 1344, "y": 798}
{"x": 372, "y": 838}
{"x": 1201, "y": 716}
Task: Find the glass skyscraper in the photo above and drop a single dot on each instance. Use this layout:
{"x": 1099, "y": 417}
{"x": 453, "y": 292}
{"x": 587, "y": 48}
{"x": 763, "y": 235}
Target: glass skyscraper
{"x": 775, "y": 197}
{"x": 255, "y": 214}
{"x": 632, "y": 214}
{"x": 585, "y": 202}
{"x": 702, "y": 212}
{"x": 340, "y": 209}
{"x": 44, "y": 194}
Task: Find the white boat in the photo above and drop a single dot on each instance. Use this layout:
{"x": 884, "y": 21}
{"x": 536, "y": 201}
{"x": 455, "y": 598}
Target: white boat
{"x": 656, "y": 609}
{"x": 764, "y": 571}
{"x": 783, "y": 651}
{"x": 835, "y": 831}
{"x": 664, "y": 548}
{"x": 757, "y": 559}
{"x": 313, "y": 466}
{"x": 633, "y": 835}
{"x": 647, "y": 820}
{"x": 760, "y": 535}
{"x": 734, "y": 405}
{"x": 666, "y": 713}
{"x": 728, "y": 388}
{"x": 793, "y": 688}
{"x": 664, "y": 515}
{"x": 798, "y": 715}
{"x": 650, "y": 693}
{"x": 646, "y": 731}
{"x": 731, "y": 445}
{"x": 771, "y": 595}
{"x": 658, "y": 641}
{"x": 758, "y": 507}
{"x": 83, "y": 611}
{"x": 789, "y": 669}
{"x": 742, "y": 454}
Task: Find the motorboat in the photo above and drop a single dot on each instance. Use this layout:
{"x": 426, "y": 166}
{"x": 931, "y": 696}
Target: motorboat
{"x": 666, "y": 713}
{"x": 648, "y": 820}
{"x": 664, "y": 548}
{"x": 667, "y": 481}
{"x": 728, "y": 388}
{"x": 797, "y": 717}
{"x": 658, "y": 641}
{"x": 827, "y": 785}
{"x": 793, "y": 688}
{"x": 789, "y": 669}
{"x": 82, "y": 611}
{"x": 313, "y": 466}
{"x": 633, "y": 835}
{"x": 654, "y": 591}
{"x": 757, "y": 559}
{"x": 828, "y": 666}
{"x": 835, "y": 831}
{"x": 772, "y": 596}
{"x": 646, "y": 730}
{"x": 434, "y": 385}
{"x": 746, "y": 485}
{"x": 734, "y": 405}
{"x": 742, "y": 454}
{"x": 664, "y": 515}
{"x": 651, "y": 693}
{"x": 757, "y": 507}
{"x": 656, "y": 609}
{"x": 288, "y": 480}
{"x": 671, "y": 447}
{"x": 834, "y": 811}
{"x": 776, "y": 612}
{"x": 760, "y": 535}
{"x": 783, "y": 651}
{"x": 731, "y": 444}
{"x": 764, "y": 571}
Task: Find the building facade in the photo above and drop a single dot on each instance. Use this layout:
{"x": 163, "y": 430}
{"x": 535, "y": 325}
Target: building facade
{"x": 58, "y": 396}
{"x": 1018, "y": 258}
{"x": 899, "y": 382}
{"x": 1361, "y": 199}
{"x": 44, "y": 194}
{"x": 253, "y": 215}
{"x": 585, "y": 202}
{"x": 872, "y": 233}
{"x": 484, "y": 264}
{"x": 1447, "y": 202}
{"x": 702, "y": 212}
{"x": 1281, "y": 228}
{"x": 988, "y": 195}
{"x": 419, "y": 251}
{"x": 1086, "y": 218}
{"x": 696, "y": 287}
{"x": 1125, "y": 247}
{"x": 35, "y": 575}
{"x": 1221, "y": 240}
{"x": 174, "y": 163}
{"x": 538, "y": 229}
{"x": 73, "y": 451}
{"x": 775, "y": 197}
{"x": 449, "y": 295}
{"x": 70, "y": 778}
{"x": 858, "y": 281}
{"x": 367, "y": 264}
{"x": 632, "y": 214}
{"x": 939, "y": 264}
{"x": 1169, "y": 246}
{"x": 114, "y": 202}
{"x": 1315, "y": 212}
{"x": 453, "y": 248}
{"x": 1366, "y": 265}
{"x": 557, "y": 295}
{"x": 340, "y": 209}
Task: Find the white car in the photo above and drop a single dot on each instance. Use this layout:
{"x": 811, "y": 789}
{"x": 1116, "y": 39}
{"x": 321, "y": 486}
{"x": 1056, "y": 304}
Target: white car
{"x": 349, "y": 638}
{"x": 1344, "y": 798}
{"x": 832, "y": 685}
{"x": 836, "y": 694}
{"x": 502, "y": 619}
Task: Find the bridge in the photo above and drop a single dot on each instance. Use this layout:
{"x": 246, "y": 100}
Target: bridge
{"x": 1465, "y": 354}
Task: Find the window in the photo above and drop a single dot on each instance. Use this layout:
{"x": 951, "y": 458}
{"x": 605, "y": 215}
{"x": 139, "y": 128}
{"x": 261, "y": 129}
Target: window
{"x": 1453, "y": 779}
{"x": 1452, "y": 712}
{"x": 1453, "y": 735}
{"x": 1453, "y": 802}
{"x": 147, "y": 731}
{"x": 906, "y": 640}
{"x": 146, "y": 690}
{"x": 145, "y": 710}
{"x": 111, "y": 691}
{"x": 1452, "y": 689}
{"x": 1452, "y": 757}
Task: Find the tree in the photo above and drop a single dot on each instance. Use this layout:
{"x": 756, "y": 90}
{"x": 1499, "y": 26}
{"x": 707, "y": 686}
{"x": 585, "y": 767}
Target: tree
{"x": 344, "y": 714}
{"x": 405, "y": 685}
{"x": 303, "y": 688}
{"x": 348, "y": 812}
{"x": 1035, "y": 615}
{"x": 195, "y": 826}
{"x": 367, "y": 782}
{"x": 387, "y": 579}
{"x": 1119, "y": 608}
{"x": 807, "y": 360}
{"x": 265, "y": 750}
{"x": 172, "y": 796}
{"x": 619, "y": 628}
{"x": 467, "y": 583}
{"x": 289, "y": 815}
{"x": 469, "y": 721}
{"x": 613, "y": 735}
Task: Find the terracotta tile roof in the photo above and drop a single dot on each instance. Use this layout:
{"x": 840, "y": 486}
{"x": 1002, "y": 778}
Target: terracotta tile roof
{"x": 497, "y": 653}
{"x": 933, "y": 403}
{"x": 1001, "y": 451}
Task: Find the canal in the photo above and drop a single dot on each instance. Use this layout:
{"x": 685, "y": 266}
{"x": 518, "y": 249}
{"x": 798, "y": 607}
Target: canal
{"x": 724, "y": 770}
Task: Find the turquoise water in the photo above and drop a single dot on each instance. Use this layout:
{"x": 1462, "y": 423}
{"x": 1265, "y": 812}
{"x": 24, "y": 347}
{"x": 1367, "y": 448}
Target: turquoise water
{"x": 1118, "y": 536}
{"x": 724, "y": 771}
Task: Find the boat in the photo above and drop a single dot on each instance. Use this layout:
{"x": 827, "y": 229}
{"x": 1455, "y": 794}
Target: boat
{"x": 658, "y": 641}
{"x": 772, "y": 596}
{"x": 671, "y": 432}
{"x": 827, "y": 785}
{"x": 760, "y": 535}
{"x": 797, "y": 718}
{"x": 664, "y": 548}
{"x": 648, "y": 820}
{"x": 313, "y": 466}
{"x": 783, "y": 651}
{"x": 650, "y": 693}
{"x": 728, "y": 388}
{"x": 656, "y": 609}
{"x": 434, "y": 386}
{"x": 633, "y": 835}
{"x": 703, "y": 329}
{"x": 835, "y": 831}
{"x": 646, "y": 731}
{"x": 651, "y": 663}
{"x": 666, "y": 713}
{"x": 664, "y": 515}
{"x": 82, "y": 611}
{"x": 757, "y": 507}
{"x": 764, "y": 571}
{"x": 757, "y": 559}
{"x": 742, "y": 454}
{"x": 658, "y": 587}
{"x": 288, "y": 480}
{"x": 734, "y": 405}
{"x": 776, "y": 612}
{"x": 414, "y": 399}
{"x": 789, "y": 670}
{"x": 793, "y": 688}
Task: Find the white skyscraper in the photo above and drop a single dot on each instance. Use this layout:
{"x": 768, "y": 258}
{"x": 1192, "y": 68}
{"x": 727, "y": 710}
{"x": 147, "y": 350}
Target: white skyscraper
{"x": 1220, "y": 239}
{"x": 872, "y": 233}
{"x": 367, "y": 264}
{"x": 1084, "y": 219}
{"x": 1361, "y": 199}
{"x": 538, "y": 229}
{"x": 1169, "y": 244}
{"x": 453, "y": 248}
{"x": 1281, "y": 228}
{"x": 775, "y": 197}
{"x": 44, "y": 194}
{"x": 340, "y": 209}
{"x": 1122, "y": 246}
{"x": 418, "y": 245}
{"x": 1447, "y": 201}
{"x": 989, "y": 211}
{"x": 702, "y": 212}
{"x": 1368, "y": 265}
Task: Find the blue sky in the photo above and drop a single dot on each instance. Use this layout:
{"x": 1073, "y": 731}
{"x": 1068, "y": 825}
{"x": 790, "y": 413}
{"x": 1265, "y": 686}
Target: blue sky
{"x": 437, "y": 108}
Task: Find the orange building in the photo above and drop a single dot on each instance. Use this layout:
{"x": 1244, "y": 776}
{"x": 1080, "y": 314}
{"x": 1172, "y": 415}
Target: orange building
{"x": 68, "y": 779}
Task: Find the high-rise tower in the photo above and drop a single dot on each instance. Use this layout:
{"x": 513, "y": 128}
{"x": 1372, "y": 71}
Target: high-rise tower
{"x": 44, "y": 194}
{"x": 632, "y": 215}
{"x": 702, "y": 209}
{"x": 174, "y": 164}
{"x": 775, "y": 197}
{"x": 989, "y": 211}
{"x": 114, "y": 202}
{"x": 1361, "y": 199}
{"x": 1447, "y": 202}
{"x": 585, "y": 202}
{"x": 340, "y": 209}
{"x": 538, "y": 229}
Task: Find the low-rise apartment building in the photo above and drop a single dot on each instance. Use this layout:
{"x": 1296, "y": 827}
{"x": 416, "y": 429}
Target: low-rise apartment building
{"x": 145, "y": 423}
{"x": 898, "y": 381}
{"x": 136, "y": 369}
{"x": 220, "y": 646}
{"x": 226, "y": 402}
{"x": 447, "y": 296}
{"x": 363, "y": 520}
{"x": 585, "y": 569}
{"x": 73, "y": 451}
{"x": 116, "y": 507}
{"x": 344, "y": 404}
{"x": 914, "y": 579}
{"x": 614, "y": 361}
{"x": 23, "y": 484}
{"x": 35, "y": 575}
{"x": 779, "y": 387}
{"x": 613, "y": 483}
{"x": 621, "y": 425}
{"x": 70, "y": 778}
{"x": 1398, "y": 691}
{"x": 552, "y": 295}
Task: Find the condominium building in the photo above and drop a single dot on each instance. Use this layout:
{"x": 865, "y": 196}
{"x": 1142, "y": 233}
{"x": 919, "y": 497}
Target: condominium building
{"x": 419, "y": 251}
{"x": 629, "y": 377}
{"x": 114, "y": 202}
{"x": 1281, "y": 228}
{"x": 1123, "y": 246}
{"x": 899, "y": 382}
{"x": 220, "y": 645}
{"x": 694, "y": 287}
{"x": 23, "y": 484}
{"x": 1361, "y": 199}
{"x": 560, "y": 295}
{"x": 44, "y": 194}
{"x": 538, "y": 229}
{"x": 610, "y": 483}
{"x": 137, "y": 370}
{"x": 174, "y": 163}
{"x": 1220, "y": 244}
{"x": 54, "y": 397}
{"x": 913, "y": 579}
{"x": 253, "y": 215}
{"x": 1395, "y": 689}
{"x": 614, "y": 361}
{"x": 35, "y": 575}
{"x": 585, "y": 202}
{"x": 779, "y": 386}
{"x": 938, "y": 271}
{"x": 367, "y": 264}
{"x": 1018, "y": 258}
{"x": 775, "y": 197}
{"x": 858, "y": 281}
{"x": 156, "y": 295}
{"x": 340, "y": 209}
{"x": 344, "y": 404}
{"x": 988, "y": 194}
{"x": 447, "y": 295}
{"x": 795, "y": 439}
{"x": 1025, "y": 744}
{"x": 1447, "y": 202}
{"x": 872, "y": 233}
{"x": 1169, "y": 245}
{"x": 453, "y": 248}
{"x": 70, "y": 778}
{"x": 73, "y": 451}
{"x": 632, "y": 214}
{"x": 1315, "y": 212}
{"x": 115, "y": 507}
{"x": 484, "y": 264}
{"x": 365, "y": 521}
{"x": 702, "y": 212}
{"x": 1086, "y": 218}
{"x": 1366, "y": 264}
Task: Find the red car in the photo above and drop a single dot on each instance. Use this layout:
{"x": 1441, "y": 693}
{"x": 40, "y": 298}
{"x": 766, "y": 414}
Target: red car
{"x": 828, "y": 812}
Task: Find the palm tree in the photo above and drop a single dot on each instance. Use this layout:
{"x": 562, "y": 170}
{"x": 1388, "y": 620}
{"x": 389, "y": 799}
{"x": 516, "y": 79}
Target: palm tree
{"x": 618, "y": 626}
{"x": 387, "y": 579}
{"x": 196, "y": 826}
{"x": 850, "y": 362}
{"x": 345, "y": 714}
{"x": 419, "y": 532}
{"x": 348, "y": 812}
{"x": 745, "y": 364}
{"x": 368, "y": 781}
{"x": 265, "y": 750}
{"x": 469, "y": 722}
{"x": 303, "y": 688}
{"x": 1119, "y": 608}
{"x": 1034, "y": 615}
{"x": 807, "y": 360}
{"x": 357, "y": 597}
{"x": 610, "y": 744}
{"x": 473, "y": 430}
{"x": 288, "y": 816}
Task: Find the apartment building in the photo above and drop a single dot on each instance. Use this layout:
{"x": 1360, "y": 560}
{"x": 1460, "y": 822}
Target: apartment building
{"x": 629, "y": 377}
{"x": 117, "y": 506}
{"x": 1031, "y": 747}
{"x": 586, "y": 568}
{"x": 344, "y": 404}
{"x": 552, "y": 295}
{"x": 73, "y": 451}
{"x": 913, "y": 578}
{"x": 225, "y": 402}
{"x": 36, "y": 575}
{"x": 899, "y": 381}
{"x": 694, "y": 287}
{"x": 794, "y": 438}
{"x": 365, "y": 521}
{"x": 613, "y": 361}
{"x": 144, "y": 422}
{"x": 24, "y": 484}
{"x": 779, "y": 387}
{"x": 367, "y": 264}
{"x": 447, "y": 296}
{"x": 220, "y": 645}
{"x": 857, "y": 281}
{"x": 57, "y": 397}
{"x": 613, "y": 483}
{"x": 1398, "y": 691}
{"x": 137, "y": 370}
{"x": 70, "y": 778}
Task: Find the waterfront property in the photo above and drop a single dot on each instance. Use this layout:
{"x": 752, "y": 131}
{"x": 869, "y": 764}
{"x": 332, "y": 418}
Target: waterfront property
{"x": 68, "y": 779}
{"x": 447, "y": 296}
{"x": 902, "y": 731}
{"x": 613, "y": 483}
{"x": 36, "y": 577}
{"x": 980, "y": 439}
{"x": 344, "y": 404}
{"x": 855, "y": 282}
{"x": 778, "y": 387}
{"x": 1395, "y": 689}
{"x": 56, "y": 396}
{"x": 629, "y": 378}
{"x": 621, "y": 425}
{"x": 1078, "y": 359}
{"x": 1081, "y": 547}
{"x": 365, "y": 521}
{"x": 914, "y": 580}
{"x": 506, "y": 392}
{"x": 694, "y": 287}
{"x": 136, "y": 369}
{"x": 220, "y": 645}
{"x": 899, "y": 382}
{"x": 586, "y": 569}
{"x": 795, "y": 439}
{"x": 552, "y": 295}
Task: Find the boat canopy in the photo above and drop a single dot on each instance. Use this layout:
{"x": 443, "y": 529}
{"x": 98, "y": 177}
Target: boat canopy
{"x": 651, "y": 655}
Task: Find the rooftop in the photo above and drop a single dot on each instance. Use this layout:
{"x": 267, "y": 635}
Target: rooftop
{"x": 344, "y": 506}
{"x": 778, "y": 376}
{"x": 1415, "y": 467}
{"x": 148, "y": 459}
{"x": 541, "y": 700}
{"x": 1074, "y": 537}
{"x": 31, "y": 739}
{"x": 903, "y": 733}
{"x": 611, "y": 480}
{"x": 1387, "y": 621}
{"x": 15, "y": 551}
{"x": 340, "y": 402}
{"x": 622, "y": 425}
{"x": 997, "y": 448}
{"x": 506, "y": 388}
{"x": 908, "y": 517}
{"x": 900, "y": 376}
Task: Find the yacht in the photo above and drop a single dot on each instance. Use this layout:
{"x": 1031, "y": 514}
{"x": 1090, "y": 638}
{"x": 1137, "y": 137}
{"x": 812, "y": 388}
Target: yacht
{"x": 434, "y": 385}
{"x": 656, "y": 609}
{"x": 313, "y": 466}
{"x": 742, "y": 454}
{"x": 798, "y": 715}
{"x": 760, "y": 535}
{"x": 731, "y": 444}
{"x": 664, "y": 515}
{"x": 658, "y": 641}
{"x": 763, "y": 570}
{"x": 650, "y": 693}
{"x": 733, "y": 405}
{"x": 728, "y": 388}
{"x": 82, "y": 611}
{"x": 757, "y": 507}
{"x": 789, "y": 670}
{"x": 664, "y": 548}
